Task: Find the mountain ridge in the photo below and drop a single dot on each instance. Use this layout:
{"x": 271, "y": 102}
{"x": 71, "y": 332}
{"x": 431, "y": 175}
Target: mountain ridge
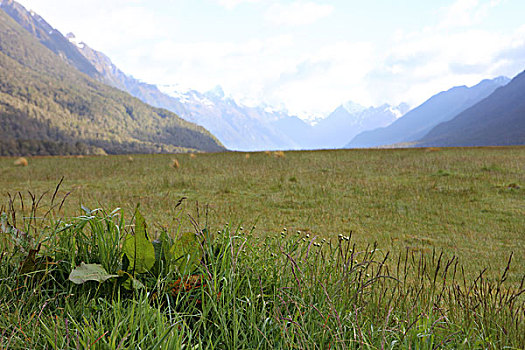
{"x": 238, "y": 127}
{"x": 50, "y": 107}
{"x": 441, "y": 107}
{"x": 497, "y": 120}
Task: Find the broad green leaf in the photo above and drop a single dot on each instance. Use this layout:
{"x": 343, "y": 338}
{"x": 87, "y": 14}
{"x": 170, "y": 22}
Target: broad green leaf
{"x": 186, "y": 252}
{"x": 138, "y": 249}
{"x": 89, "y": 272}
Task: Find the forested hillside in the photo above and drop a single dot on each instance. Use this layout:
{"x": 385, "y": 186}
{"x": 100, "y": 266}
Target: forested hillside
{"x": 49, "y": 107}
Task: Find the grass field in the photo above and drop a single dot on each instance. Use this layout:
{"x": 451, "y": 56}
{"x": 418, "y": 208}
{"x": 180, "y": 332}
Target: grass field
{"x": 277, "y": 266}
{"x": 466, "y": 202}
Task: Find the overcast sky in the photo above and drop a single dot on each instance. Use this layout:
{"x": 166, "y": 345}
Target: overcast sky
{"x": 306, "y": 55}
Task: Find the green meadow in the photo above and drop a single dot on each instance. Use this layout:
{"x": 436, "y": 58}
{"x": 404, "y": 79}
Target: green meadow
{"x": 414, "y": 213}
{"x": 467, "y": 202}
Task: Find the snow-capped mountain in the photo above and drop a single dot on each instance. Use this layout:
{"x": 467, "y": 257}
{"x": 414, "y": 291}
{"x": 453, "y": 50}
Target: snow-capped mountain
{"x": 348, "y": 120}
{"x": 237, "y": 126}
{"x": 246, "y": 128}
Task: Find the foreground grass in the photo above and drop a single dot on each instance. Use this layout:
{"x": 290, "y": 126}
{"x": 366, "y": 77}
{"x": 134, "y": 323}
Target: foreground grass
{"x": 284, "y": 290}
{"x": 467, "y": 202}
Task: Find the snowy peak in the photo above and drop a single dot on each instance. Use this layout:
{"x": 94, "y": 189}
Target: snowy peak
{"x": 348, "y": 120}
{"x": 352, "y": 107}
{"x": 216, "y": 93}
{"x": 398, "y": 111}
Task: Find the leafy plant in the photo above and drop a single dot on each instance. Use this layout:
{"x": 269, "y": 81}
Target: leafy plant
{"x": 90, "y": 272}
{"x": 137, "y": 248}
{"x": 185, "y": 253}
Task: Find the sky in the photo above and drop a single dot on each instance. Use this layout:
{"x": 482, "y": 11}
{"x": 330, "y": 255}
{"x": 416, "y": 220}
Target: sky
{"x": 307, "y": 56}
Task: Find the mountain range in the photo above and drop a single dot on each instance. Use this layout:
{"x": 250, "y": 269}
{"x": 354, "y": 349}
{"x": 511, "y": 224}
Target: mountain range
{"x": 237, "y": 126}
{"x": 49, "y": 104}
{"x": 240, "y": 127}
{"x": 498, "y": 120}
{"x": 256, "y": 128}
{"x": 350, "y": 119}
{"x": 415, "y": 124}
{"x": 55, "y": 98}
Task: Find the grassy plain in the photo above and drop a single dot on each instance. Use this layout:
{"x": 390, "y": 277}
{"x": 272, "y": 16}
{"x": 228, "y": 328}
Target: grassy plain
{"x": 466, "y": 202}
{"x": 266, "y": 287}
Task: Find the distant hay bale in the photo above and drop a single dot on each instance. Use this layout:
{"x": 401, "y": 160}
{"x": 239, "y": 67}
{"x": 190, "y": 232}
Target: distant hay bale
{"x": 175, "y": 164}
{"x": 130, "y": 159}
{"x": 279, "y": 154}
{"x": 247, "y": 156}
{"x": 268, "y": 153}
{"x": 192, "y": 155}
{"x": 80, "y": 156}
{"x": 21, "y": 162}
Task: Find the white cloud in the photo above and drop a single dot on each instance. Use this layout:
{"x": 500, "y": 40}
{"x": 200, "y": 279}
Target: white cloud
{"x": 464, "y": 13}
{"x": 282, "y": 69}
{"x": 267, "y": 70}
{"x": 315, "y": 79}
{"x": 297, "y": 13}
{"x": 230, "y": 4}
{"x": 326, "y": 77}
{"x": 422, "y": 64}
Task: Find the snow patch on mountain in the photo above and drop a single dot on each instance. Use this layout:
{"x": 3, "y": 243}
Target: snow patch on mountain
{"x": 73, "y": 40}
